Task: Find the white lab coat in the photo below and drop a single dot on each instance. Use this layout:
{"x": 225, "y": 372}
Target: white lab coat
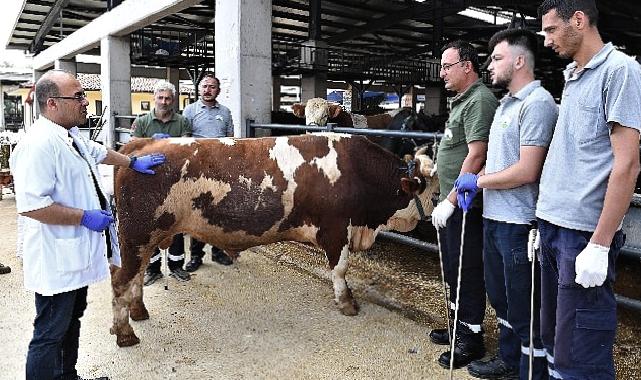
{"x": 46, "y": 168}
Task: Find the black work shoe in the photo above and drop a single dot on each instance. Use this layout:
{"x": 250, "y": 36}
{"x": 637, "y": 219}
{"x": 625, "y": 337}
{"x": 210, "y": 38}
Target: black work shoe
{"x": 4, "y": 269}
{"x": 221, "y": 257}
{"x": 180, "y": 275}
{"x": 194, "y": 264}
{"x": 466, "y": 350}
{"x": 151, "y": 277}
{"x": 440, "y": 336}
{"x": 494, "y": 368}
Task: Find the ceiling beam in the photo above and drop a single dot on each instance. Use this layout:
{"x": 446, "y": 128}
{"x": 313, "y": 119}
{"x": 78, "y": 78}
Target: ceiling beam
{"x": 394, "y": 18}
{"x": 47, "y": 24}
{"x": 129, "y": 16}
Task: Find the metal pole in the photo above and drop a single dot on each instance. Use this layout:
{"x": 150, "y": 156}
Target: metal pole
{"x": 445, "y": 290}
{"x": 458, "y": 297}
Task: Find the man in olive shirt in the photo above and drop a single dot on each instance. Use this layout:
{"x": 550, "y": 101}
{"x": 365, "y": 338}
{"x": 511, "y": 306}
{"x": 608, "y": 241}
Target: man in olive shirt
{"x": 163, "y": 122}
{"x": 463, "y": 149}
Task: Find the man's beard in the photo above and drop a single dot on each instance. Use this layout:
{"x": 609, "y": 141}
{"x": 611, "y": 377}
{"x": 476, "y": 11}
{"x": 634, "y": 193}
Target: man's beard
{"x": 504, "y": 80}
{"x": 572, "y": 42}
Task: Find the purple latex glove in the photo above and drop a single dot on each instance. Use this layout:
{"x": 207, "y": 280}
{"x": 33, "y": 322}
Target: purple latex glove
{"x": 158, "y": 136}
{"x": 96, "y": 220}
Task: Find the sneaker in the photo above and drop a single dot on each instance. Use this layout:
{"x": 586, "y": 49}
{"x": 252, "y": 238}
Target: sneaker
{"x": 151, "y": 277}
{"x": 180, "y": 274}
{"x": 220, "y": 257}
{"x": 194, "y": 264}
{"x": 494, "y": 368}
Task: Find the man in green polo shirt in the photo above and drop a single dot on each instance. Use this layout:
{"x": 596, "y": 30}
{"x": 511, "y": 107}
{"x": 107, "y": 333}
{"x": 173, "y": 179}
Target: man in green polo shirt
{"x": 463, "y": 149}
{"x": 162, "y": 119}
{"x": 163, "y": 122}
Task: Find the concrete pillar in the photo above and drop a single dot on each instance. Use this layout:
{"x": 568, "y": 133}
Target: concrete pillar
{"x": 433, "y": 99}
{"x": 173, "y": 77}
{"x": 68, "y": 65}
{"x": 352, "y": 99}
{"x": 243, "y": 59}
{"x": 2, "y": 125}
{"x": 314, "y": 57}
{"x": 115, "y": 72}
{"x": 36, "y": 109}
{"x": 276, "y": 93}
{"x": 409, "y": 98}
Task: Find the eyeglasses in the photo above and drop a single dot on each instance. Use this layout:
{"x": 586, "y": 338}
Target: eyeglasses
{"x": 448, "y": 66}
{"x": 79, "y": 97}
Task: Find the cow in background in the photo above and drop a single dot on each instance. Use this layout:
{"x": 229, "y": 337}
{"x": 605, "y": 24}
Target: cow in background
{"x": 318, "y": 111}
{"x": 334, "y": 191}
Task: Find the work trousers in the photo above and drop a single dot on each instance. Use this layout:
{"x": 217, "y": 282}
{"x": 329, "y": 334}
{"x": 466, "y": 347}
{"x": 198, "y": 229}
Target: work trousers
{"x": 508, "y": 274}
{"x": 53, "y": 350}
{"x": 175, "y": 259}
{"x": 472, "y": 303}
{"x": 578, "y": 325}
{"x": 197, "y": 248}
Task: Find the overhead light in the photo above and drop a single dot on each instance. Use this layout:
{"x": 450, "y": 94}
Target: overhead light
{"x": 477, "y": 14}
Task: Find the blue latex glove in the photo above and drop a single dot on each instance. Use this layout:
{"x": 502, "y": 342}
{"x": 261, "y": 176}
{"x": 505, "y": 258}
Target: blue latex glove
{"x": 96, "y": 220}
{"x": 467, "y": 182}
{"x": 465, "y": 199}
{"x": 143, "y": 164}
{"x": 466, "y": 189}
{"x": 158, "y": 136}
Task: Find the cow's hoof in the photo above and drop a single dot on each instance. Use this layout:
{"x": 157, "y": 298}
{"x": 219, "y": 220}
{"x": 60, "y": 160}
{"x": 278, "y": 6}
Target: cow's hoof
{"x": 138, "y": 313}
{"x": 127, "y": 340}
{"x": 349, "y": 309}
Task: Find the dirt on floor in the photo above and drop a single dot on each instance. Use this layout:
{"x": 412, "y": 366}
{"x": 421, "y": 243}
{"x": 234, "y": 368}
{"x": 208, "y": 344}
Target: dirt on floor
{"x": 271, "y": 316}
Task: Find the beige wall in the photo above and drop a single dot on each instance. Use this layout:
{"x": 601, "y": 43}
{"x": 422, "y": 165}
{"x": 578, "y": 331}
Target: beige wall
{"x": 93, "y": 95}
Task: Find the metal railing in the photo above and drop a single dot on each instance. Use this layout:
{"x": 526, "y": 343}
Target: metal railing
{"x": 123, "y": 133}
{"x": 339, "y": 63}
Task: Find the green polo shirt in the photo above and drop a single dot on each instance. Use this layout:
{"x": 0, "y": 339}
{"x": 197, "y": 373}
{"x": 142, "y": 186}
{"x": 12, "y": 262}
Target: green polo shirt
{"x": 147, "y": 125}
{"x": 470, "y": 119}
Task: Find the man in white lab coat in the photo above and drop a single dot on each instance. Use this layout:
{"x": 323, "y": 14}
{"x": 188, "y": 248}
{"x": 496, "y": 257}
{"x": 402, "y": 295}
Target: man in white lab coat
{"x": 68, "y": 231}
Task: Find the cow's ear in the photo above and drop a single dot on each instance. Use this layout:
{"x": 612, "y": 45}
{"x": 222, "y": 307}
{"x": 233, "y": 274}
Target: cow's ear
{"x": 410, "y": 186}
{"x": 298, "y": 109}
{"x": 334, "y": 111}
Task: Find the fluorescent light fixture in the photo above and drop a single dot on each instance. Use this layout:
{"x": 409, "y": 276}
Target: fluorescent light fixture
{"x": 483, "y": 16}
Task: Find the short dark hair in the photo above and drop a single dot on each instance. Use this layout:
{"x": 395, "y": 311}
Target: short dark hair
{"x": 516, "y": 37}
{"x": 566, "y": 8}
{"x": 466, "y": 52}
{"x": 45, "y": 89}
{"x": 210, "y": 75}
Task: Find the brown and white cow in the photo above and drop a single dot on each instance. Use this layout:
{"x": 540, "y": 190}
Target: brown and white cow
{"x": 334, "y": 191}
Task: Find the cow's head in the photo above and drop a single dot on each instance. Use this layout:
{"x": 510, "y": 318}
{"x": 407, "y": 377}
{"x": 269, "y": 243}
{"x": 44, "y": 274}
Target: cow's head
{"x": 317, "y": 111}
{"x": 420, "y": 181}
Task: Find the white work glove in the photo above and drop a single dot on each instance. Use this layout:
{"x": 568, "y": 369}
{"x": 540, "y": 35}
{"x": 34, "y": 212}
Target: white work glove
{"x": 442, "y": 213}
{"x": 592, "y": 265}
{"x": 533, "y": 243}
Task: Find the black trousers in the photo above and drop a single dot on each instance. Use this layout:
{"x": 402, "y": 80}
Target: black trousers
{"x": 176, "y": 257}
{"x": 472, "y": 303}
